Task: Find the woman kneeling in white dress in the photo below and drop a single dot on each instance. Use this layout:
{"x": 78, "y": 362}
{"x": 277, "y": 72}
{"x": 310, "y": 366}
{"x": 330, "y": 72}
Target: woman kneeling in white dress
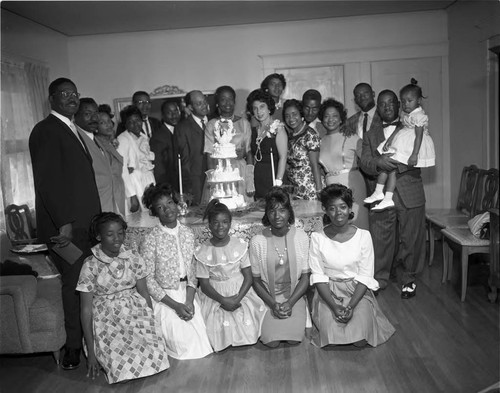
{"x": 344, "y": 310}
{"x": 168, "y": 251}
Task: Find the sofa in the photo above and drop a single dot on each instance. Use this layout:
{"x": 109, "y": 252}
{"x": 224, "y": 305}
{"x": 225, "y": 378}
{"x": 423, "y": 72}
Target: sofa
{"x": 31, "y": 315}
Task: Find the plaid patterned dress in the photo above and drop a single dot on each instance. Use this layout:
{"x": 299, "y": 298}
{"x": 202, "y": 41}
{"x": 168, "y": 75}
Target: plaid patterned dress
{"x": 127, "y": 341}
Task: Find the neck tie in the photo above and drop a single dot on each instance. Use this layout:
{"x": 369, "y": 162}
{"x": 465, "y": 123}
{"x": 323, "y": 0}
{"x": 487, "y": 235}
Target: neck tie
{"x": 394, "y": 123}
{"x": 202, "y": 124}
{"x": 146, "y": 128}
{"x": 365, "y": 123}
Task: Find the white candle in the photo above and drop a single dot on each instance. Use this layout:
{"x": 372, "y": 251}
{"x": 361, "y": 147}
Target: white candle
{"x": 180, "y": 175}
{"x": 272, "y": 167}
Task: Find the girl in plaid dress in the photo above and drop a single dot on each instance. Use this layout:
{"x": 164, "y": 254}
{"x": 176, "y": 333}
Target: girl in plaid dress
{"x": 118, "y": 323}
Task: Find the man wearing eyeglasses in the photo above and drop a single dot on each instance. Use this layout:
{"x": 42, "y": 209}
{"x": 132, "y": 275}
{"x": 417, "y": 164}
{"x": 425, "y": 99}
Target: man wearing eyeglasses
{"x": 150, "y": 125}
{"x": 66, "y": 199}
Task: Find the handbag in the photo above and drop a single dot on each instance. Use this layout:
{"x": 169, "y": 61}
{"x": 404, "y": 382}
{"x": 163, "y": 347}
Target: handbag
{"x": 479, "y": 225}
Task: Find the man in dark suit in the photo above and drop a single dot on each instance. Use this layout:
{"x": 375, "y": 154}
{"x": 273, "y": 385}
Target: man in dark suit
{"x": 399, "y": 233}
{"x": 164, "y": 145}
{"x": 361, "y": 122}
{"x": 190, "y": 135}
{"x": 66, "y": 199}
{"x": 150, "y": 125}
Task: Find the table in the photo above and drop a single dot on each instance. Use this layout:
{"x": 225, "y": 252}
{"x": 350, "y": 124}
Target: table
{"x": 246, "y": 224}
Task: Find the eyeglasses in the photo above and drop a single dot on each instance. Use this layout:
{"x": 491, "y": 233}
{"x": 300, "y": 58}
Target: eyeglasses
{"x": 144, "y": 102}
{"x": 68, "y": 94}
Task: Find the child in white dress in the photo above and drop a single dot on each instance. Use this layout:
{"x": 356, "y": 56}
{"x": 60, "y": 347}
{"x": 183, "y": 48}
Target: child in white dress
{"x": 168, "y": 253}
{"x": 232, "y": 310}
{"x": 410, "y": 144}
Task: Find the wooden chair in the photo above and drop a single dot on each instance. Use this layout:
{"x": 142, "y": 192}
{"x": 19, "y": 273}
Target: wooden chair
{"x": 457, "y": 217}
{"x": 485, "y": 198}
{"x": 494, "y": 278}
{"x": 20, "y": 230}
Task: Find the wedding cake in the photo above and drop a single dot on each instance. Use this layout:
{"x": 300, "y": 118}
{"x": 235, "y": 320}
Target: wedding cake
{"x": 224, "y": 177}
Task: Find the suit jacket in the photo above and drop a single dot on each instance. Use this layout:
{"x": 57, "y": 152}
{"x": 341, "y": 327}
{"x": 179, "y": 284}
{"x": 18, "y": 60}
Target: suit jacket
{"x": 191, "y": 144}
{"x": 164, "y": 144}
{"x": 353, "y": 121}
{"x": 102, "y": 171}
{"x": 409, "y": 184}
{"x": 116, "y": 164}
{"x": 65, "y": 187}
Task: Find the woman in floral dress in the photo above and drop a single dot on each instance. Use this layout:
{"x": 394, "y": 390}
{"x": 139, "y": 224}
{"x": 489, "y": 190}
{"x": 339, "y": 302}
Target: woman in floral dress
{"x": 118, "y": 322}
{"x": 303, "y": 153}
{"x": 232, "y": 310}
{"x": 269, "y": 136}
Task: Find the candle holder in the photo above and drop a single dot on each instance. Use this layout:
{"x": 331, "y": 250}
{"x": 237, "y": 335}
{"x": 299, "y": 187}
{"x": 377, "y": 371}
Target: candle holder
{"x": 182, "y": 206}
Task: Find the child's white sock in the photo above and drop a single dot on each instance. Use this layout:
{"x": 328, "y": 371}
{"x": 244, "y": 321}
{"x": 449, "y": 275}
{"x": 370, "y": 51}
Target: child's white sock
{"x": 388, "y": 195}
{"x": 379, "y": 189}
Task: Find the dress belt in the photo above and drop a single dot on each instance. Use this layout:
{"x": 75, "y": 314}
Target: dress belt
{"x": 336, "y": 173}
{"x": 183, "y": 279}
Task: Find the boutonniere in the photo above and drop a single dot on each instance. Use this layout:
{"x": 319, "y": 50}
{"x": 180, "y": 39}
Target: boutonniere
{"x": 273, "y": 129}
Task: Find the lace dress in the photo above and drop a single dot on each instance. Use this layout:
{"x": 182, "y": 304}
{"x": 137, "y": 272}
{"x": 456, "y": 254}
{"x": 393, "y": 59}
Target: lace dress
{"x": 222, "y": 266}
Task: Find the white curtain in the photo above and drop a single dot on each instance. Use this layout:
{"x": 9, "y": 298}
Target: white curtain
{"x": 24, "y": 103}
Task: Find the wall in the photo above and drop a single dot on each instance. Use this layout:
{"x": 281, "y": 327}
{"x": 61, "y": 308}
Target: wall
{"x": 470, "y": 24}
{"x": 30, "y": 41}
{"x": 115, "y": 65}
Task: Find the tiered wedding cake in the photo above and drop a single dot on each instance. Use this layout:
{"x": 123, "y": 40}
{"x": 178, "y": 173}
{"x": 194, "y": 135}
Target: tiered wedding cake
{"x": 224, "y": 177}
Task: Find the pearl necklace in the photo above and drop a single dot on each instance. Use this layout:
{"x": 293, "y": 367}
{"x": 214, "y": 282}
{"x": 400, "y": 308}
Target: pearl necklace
{"x": 281, "y": 256}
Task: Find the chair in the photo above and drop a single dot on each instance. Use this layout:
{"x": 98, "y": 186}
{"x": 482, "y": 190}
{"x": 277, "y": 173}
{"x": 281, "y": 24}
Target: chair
{"x": 31, "y": 315}
{"x": 494, "y": 278}
{"x": 485, "y": 198}
{"x": 20, "y": 228}
{"x": 457, "y": 217}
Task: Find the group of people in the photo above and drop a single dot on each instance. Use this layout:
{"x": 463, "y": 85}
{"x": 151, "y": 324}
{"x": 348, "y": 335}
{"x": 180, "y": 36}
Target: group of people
{"x": 190, "y": 301}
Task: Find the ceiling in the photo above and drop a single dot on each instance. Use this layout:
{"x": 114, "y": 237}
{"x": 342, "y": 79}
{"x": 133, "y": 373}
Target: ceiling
{"x": 74, "y": 18}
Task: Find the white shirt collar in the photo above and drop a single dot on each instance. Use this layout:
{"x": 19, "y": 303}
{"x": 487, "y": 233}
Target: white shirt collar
{"x": 198, "y": 120}
{"x": 169, "y": 127}
{"x": 89, "y": 134}
{"x": 64, "y": 119}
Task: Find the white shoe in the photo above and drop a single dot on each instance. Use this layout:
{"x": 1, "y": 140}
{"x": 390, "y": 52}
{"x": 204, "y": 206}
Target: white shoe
{"x": 374, "y": 198}
{"x": 385, "y": 204}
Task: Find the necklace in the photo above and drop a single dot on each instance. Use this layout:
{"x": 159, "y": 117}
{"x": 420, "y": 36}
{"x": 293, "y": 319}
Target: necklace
{"x": 261, "y": 134}
{"x": 281, "y": 255}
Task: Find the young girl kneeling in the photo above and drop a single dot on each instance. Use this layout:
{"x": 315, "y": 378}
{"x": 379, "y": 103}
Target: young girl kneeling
{"x": 232, "y": 310}
{"x": 117, "y": 317}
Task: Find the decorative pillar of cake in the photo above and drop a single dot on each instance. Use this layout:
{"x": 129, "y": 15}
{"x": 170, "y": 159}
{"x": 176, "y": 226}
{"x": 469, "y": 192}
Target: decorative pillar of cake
{"x": 224, "y": 177}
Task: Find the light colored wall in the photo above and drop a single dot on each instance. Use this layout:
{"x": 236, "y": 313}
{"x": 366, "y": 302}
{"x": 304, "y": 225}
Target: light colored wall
{"x": 115, "y": 65}
{"x": 30, "y": 41}
{"x": 470, "y": 24}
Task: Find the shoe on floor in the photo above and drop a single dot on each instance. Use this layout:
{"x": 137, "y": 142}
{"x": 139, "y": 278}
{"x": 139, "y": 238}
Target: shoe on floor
{"x": 71, "y": 359}
{"x": 409, "y": 290}
{"x": 385, "y": 204}
{"x": 374, "y": 198}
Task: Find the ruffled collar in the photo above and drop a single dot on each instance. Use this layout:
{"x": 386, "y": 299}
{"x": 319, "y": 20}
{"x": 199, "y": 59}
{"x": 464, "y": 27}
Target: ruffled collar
{"x": 416, "y": 110}
{"x": 232, "y": 252}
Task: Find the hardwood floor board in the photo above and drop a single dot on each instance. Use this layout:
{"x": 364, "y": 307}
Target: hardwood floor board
{"x": 441, "y": 345}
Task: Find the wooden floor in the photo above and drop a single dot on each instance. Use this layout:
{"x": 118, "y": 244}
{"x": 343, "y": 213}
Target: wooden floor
{"x": 440, "y": 345}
